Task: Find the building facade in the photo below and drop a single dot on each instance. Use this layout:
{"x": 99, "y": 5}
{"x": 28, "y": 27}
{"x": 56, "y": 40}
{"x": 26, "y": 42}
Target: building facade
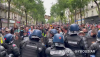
{"x": 15, "y": 17}
{"x": 89, "y": 14}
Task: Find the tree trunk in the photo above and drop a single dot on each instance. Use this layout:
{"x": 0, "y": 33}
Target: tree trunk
{"x": 72, "y": 18}
{"x": 69, "y": 21}
{"x": 75, "y": 15}
{"x": 61, "y": 20}
{"x": 81, "y": 15}
{"x": 36, "y": 21}
{"x": 0, "y": 17}
{"x": 8, "y": 11}
{"x": 0, "y": 24}
{"x": 26, "y": 17}
{"x": 20, "y": 20}
{"x": 98, "y": 7}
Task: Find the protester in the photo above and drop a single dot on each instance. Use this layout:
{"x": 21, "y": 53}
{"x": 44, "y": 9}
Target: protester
{"x": 31, "y": 30}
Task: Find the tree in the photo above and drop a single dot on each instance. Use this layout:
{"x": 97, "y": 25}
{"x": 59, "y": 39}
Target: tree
{"x": 26, "y": 3}
{"x": 78, "y": 5}
{"x": 57, "y": 19}
{"x": 58, "y": 9}
{"x": 81, "y": 5}
{"x": 55, "y": 10}
{"x": 98, "y": 6}
{"x": 73, "y": 5}
{"x": 51, "y": 20}
{"x": 8, "y": 11}
{"x": 34, "y": 8}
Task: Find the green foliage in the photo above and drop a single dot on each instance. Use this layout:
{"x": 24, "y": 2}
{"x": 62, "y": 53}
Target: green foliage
{"x": 55, "y": 10}
{"x": 59, "y": 8}
{"x": 63, "y": 4}
{"x": 72, "y": 19}
{"x": 34, "y": 8}
{"x": 51, "y": 20}
{"x": 72, "y": 5}
{"x": 64, "y": 19}
{"x": 57, "y": 19}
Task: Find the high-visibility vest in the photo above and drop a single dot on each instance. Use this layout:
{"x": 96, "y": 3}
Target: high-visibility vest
{"x": 44, "y": 35}
{"x": 1, "y": 40}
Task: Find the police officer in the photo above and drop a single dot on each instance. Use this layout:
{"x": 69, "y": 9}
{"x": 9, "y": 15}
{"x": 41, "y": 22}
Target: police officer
{"x": 1, "y": 37}
{"x": 96, "y": 46}
{"x": 10, "y": 46}
{"x": 2, "y": 52}
{"x": 73, "y": 41}
{"x": 49, "y": 40}
{"x": 58, "y": 49}
{"x": 2, "y": 49}
{"x": 33, "y": 47}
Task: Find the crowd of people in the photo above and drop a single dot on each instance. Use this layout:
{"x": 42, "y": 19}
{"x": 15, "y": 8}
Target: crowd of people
{"x": 51, "y": 40}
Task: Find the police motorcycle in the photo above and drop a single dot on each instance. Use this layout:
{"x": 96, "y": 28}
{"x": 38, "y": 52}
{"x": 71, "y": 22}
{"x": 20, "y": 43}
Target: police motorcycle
{"x": 33, "y": 47}
{"x": 95, "y": 47}
{"x": 49, "y": 40}
{"x": 75, "y": 42}
{"x": 58, "y": 49}
{"x": 12, "y": 49}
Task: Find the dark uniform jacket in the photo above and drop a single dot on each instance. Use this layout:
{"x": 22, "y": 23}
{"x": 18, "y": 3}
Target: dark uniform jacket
{"x": 2, "y": 51}
{"x": 75, "y": 43}
{"x": 32, "y": 48}
{"x": 96, "y": 48}
{"x": 59, "y": 52}
{"x": 12, "y": 49}
{"x": 90, "y": 40}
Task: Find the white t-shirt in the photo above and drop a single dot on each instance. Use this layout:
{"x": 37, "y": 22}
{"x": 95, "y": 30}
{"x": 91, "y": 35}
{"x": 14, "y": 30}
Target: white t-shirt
{"x": 31, "y": 31}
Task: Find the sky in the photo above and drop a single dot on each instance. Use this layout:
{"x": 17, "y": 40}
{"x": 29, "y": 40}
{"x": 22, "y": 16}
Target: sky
{"x": 47, "y": 4}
